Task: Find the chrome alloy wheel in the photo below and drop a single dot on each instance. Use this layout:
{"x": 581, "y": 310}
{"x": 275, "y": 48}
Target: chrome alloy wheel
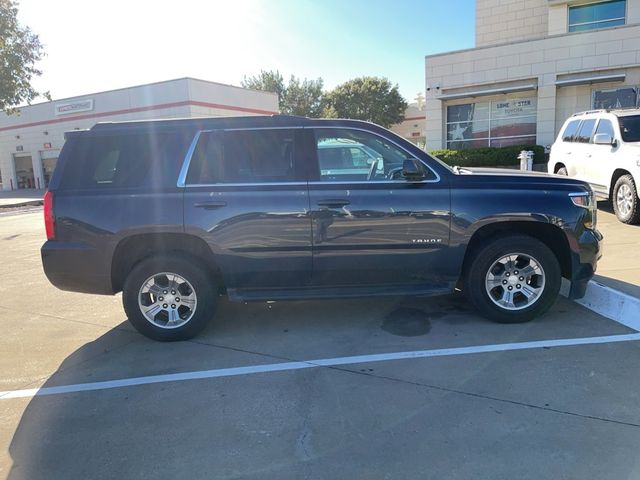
{"x": 624, "y": 199}
{"x": 515, "y": 281}
{"x": 167, "y": 300}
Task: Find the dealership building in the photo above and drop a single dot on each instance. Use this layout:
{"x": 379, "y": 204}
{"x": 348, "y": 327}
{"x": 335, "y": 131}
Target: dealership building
{"x": 413, "y": 125}
{"x": 535, "y": 63}
{"x": 30, "y": 140}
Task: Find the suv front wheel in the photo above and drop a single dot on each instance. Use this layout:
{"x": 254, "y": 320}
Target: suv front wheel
{"x": 625, "y": 200}
{"x": 513, "y": 279}
{"x": 169, "y": 298}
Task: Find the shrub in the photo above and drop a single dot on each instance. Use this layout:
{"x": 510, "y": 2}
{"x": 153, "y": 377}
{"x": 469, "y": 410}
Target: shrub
{"x": 489, "y": 156}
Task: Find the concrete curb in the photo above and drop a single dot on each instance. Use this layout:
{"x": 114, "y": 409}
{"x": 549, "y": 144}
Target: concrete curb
{"x": 22, "y": 204}
{"x": 610, "y": 303}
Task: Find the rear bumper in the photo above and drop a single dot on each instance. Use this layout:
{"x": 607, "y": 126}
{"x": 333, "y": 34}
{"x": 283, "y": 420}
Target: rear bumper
{"x": 585, "y": 255}
{"x": 75, "y": 267}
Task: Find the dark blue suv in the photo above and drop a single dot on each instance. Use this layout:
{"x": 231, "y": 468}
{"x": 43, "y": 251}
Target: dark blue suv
{"x": 174, "y": 213}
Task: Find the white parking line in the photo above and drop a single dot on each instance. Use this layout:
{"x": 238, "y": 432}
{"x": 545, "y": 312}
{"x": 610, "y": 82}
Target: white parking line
{"x": 327, "y": 362}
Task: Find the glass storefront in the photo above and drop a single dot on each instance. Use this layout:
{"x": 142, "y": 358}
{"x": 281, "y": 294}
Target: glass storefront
{"x": 623, "y": 97}
{"x": 24, "y": 171}
{"x": 48, "y": 159}
{"x": 495, "y": 123}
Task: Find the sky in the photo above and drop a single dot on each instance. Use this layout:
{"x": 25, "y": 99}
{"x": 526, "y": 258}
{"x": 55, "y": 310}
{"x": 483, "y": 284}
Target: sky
{"x": 97, "y": 45}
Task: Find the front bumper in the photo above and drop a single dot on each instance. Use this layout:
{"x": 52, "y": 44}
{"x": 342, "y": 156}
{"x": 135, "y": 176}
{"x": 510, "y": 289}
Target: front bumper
{"x": 586, "y": 250}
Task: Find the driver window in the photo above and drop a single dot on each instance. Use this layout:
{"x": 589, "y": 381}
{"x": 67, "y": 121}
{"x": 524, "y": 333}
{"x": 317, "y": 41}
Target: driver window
{"x": 346, "y": 155}
{"x": 605, "y": 126}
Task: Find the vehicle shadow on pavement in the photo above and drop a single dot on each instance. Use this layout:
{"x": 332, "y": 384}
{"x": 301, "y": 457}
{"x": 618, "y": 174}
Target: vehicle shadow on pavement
{"x": 197, "y": 429}
{"x": 607, "y": 206}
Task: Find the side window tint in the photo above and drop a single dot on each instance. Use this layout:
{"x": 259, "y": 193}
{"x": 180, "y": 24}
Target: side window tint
{"x": 584, "y": 134}
{"x": 206, "y": 163}
{"x": 106, "y": 167}
{"x": 246, "y": 156}
{"x": 346, "y": 155}
{"x": 125, "y": 160}
{"x": 605, "y": 126}
{"x": 569, "y": 133}
{"x": 118, "y": 161}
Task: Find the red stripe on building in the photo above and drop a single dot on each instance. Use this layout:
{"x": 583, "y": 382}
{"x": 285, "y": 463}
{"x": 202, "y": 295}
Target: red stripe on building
{"x": 414, "y": 118}
{"x": 141, "y": 109}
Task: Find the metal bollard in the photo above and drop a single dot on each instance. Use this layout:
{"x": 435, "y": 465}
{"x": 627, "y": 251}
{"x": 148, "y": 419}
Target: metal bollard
{"x": 526, "y": 160}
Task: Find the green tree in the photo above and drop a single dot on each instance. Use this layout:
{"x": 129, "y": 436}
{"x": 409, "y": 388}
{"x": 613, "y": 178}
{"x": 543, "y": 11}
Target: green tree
{"x": 20, "y": 49}
{"x": 366, "y": 98}
{"x": 304, "y": 97}
{"x": 298, "y": 97}
{"x": 267, "y": 81}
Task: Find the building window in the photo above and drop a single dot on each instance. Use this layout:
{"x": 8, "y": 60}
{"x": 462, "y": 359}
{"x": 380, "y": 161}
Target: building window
{"x": 597, "y": 15}
{"x": 492, "y": 124}
{"x": 625, "y": 97}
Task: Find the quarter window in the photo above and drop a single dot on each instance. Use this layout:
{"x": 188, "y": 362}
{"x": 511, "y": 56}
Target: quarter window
{"x": 597, "y": 15}
{"x": 124, "y": 161}
{"x": 570, "y": 131}
{"x": 243, "y": 156}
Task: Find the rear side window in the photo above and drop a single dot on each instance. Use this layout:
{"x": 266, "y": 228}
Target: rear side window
{"x": 570, "y": 131}
{"x": 244, "y": 156}
{"x": 124, "y": 161}
{"x": 584, "y": 134}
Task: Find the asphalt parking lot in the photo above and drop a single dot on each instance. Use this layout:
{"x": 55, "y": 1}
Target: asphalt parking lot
{"x": 308, "y": 389}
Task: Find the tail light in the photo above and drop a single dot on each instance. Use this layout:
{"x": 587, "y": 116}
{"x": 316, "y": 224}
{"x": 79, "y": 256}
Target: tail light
{"x": 49, "y": 221}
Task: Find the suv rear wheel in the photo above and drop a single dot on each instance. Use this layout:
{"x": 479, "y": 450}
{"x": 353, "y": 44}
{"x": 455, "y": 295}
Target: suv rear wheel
{"x": 625, "y": 200}
{"x": 169, "y": 298}
{"x": 513, "y": 279}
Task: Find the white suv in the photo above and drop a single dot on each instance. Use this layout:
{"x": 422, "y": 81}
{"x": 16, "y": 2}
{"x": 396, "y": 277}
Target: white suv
{"x": 602, "y": 147}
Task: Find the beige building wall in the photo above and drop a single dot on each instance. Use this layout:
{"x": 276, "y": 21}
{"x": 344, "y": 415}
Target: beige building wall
{"x": 500, "y": 21}
{"x": 37, "y": 131}
{"x": 413, "y": 126}
{"x": 533, "y": 67}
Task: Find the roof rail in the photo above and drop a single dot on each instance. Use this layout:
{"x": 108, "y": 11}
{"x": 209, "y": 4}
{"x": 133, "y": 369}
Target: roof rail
{"x": 586, "y": 112}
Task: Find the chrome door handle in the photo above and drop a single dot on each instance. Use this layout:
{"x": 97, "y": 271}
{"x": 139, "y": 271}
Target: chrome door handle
{"x": 211, "y": 205}
{"x": 333, "y": 202}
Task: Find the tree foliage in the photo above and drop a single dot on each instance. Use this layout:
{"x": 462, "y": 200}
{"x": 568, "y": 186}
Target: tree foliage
{"x": 20, "y": 49}
{"x": 366, "y": 98}
{"x": 298, "y": 97}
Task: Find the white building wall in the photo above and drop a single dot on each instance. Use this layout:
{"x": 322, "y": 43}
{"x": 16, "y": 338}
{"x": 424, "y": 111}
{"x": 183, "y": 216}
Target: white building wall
{"x": 36, "y": 125}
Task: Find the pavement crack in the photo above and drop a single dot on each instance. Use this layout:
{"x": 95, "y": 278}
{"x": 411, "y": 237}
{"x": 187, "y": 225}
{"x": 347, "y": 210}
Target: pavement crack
{"x": 487, "y": 397}
{"x": 428, "y": 385}
{"x": 81, "y": 322}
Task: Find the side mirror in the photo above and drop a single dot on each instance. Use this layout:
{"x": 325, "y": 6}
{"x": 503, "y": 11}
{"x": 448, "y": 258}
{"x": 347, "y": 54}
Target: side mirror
{"x": 412, "y": 170}
{"x": 603, "y": 139}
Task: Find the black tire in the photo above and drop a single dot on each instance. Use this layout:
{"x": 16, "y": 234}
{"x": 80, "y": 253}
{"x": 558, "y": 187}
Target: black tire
{"x": 562, "y": 171}
{"x": 488, "y": 254}
{"x": 203, "y": 286}
{"x": 631, "y": 215}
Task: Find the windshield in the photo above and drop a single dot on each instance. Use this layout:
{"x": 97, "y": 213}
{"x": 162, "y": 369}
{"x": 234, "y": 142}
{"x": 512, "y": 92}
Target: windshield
{"x": 630, "y": 128}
